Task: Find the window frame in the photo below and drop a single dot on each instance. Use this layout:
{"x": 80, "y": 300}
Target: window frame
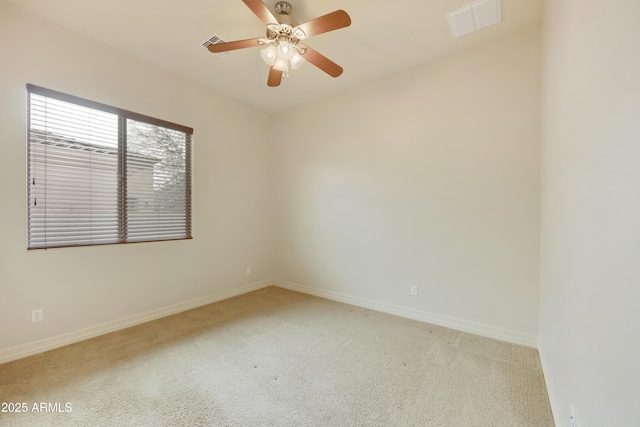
{"x": 122, "y": 115}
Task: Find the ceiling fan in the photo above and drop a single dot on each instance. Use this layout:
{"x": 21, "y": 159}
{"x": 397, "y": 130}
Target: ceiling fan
{"x": 283, "y": 48}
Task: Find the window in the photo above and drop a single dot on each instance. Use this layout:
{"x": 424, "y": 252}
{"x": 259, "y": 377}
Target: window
{"x": 102, "y": 175}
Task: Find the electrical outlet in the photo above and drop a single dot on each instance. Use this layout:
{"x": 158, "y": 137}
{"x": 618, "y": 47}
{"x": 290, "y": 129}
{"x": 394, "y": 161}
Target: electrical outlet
{"x": 414, "y": 290}
{"x": 248, "y": 270}
{"x": 36, "y": 315}
{"x": 573, "y": 416}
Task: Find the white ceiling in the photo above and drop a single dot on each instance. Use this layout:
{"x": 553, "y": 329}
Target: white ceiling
{"x": 384, "y": 38}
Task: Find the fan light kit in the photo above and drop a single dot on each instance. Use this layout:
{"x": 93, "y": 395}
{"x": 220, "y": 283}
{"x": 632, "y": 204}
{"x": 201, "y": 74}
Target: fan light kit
{"x": 283, "y": 51}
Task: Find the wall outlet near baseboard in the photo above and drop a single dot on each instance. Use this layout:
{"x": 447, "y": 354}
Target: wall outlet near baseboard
{"x": 414, "y": 290}
{"x": 36, "y": 315}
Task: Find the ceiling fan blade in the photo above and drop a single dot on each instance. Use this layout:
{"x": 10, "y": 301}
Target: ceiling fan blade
{"x": 261, "y": 11}
{"x": 322, "y": 62}
{"x": 239, "y": 44}
{"x": 275, "y": 77}
{"x": 325, "y": 23}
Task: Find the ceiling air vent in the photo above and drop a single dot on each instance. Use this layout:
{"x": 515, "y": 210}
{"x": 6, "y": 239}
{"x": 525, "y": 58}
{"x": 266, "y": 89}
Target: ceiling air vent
{"x": 214, "y": 39}
{"x": 473, "y": 17}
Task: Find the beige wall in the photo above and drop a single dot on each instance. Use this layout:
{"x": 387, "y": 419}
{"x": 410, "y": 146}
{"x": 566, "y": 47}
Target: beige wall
{"x": 83, "y": 287}
{"x": 590, "y": 216}
{"x": 429, "y": 177}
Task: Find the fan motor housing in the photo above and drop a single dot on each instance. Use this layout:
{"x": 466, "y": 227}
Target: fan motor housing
{"x": 283, "y": 8}
{"x": 283, "y": 13}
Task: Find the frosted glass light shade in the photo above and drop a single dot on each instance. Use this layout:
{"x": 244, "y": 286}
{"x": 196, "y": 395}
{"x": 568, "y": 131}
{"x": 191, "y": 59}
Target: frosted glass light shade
{"x": 285, "y": 50}
{"x": 269, "y": 55}
{"x": 281, "y": 64}
{"x": 296, "y": 60}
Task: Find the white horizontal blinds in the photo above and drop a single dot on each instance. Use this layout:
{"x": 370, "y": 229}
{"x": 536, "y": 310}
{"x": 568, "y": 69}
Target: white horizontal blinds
{"x": 158, "y": 199}
{"x": 72, "y": 174}
{"x": 99, "y": 174}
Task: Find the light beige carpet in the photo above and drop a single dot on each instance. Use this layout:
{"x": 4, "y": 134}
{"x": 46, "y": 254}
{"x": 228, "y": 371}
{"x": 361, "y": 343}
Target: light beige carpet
{"x": 280, "y": 358}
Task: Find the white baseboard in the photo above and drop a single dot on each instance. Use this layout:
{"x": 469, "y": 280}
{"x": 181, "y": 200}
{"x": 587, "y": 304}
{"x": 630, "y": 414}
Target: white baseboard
{"x": 551, "y": 391}
{"x": 496, "y": 332}
{"x": 40, "y": 346}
